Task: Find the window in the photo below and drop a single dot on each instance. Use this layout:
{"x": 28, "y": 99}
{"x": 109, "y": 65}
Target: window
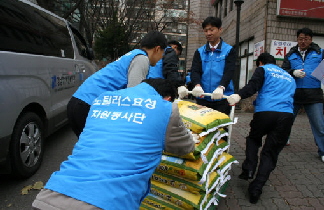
{"x": 27, "y": 30}
{"x": 231, "y": 6}
{"x": 246, "y": 54}
{"x": 81, "y": 44}
{"x": 15, "y": 33}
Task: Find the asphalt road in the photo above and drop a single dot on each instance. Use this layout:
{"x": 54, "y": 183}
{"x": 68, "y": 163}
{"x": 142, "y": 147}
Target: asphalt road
{"x": 58, "y": 146}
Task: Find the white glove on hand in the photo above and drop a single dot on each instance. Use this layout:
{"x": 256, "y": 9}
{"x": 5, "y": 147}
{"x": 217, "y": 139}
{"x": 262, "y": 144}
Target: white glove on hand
{"x": 299, "y": 73}
{"x": 217, "y": 93}
{"x": 195, "y": 138}
{"x": 182, "y": 92}
{"x": 197, "y": 91}
{"x": 233, "y": 99}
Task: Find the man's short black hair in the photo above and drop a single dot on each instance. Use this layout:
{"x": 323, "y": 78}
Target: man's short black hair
{"x": 179, "y": 46}
{"x": 213, "y": 21}
{"x": 265, "y": 58}
{"x": 153, "y": 39}
{"x": 164, "y": 87}
{"x": 306, "y": 31}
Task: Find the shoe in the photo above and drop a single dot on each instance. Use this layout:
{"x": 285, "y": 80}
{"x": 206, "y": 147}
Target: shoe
{"x": 254, "y": 197}
{"x": 246, "y": 175}
{"x": 322, "y": 158}
{"x": 288, "y": 143}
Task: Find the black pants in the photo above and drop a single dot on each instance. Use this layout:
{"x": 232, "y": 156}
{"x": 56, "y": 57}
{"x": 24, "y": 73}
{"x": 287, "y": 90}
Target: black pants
{"x": 221, "y": 106}
{"x": 276, "y": 126}
{"x": 77, "y": 112}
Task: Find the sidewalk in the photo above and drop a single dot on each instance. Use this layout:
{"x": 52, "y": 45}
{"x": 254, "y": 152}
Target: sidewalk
{"x": 296, "y": 183}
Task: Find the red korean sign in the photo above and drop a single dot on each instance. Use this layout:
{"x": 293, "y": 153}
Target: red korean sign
{"x": 280, "y": 48}
{"x": 301, "y": 8}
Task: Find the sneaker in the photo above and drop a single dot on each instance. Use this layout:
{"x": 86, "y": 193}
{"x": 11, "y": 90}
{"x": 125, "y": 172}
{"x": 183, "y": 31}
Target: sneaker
{"x": 288, "y": 143}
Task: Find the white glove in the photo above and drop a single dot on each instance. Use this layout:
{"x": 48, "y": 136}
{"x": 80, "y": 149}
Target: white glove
{"x": 182, "y": 92}
{"x": 299, "y": 73}
{"x": 195, "y": 137}
{"x": 197, "y": 91}
{"x": 217, "y": 93}
{"x": 233, "y": 99}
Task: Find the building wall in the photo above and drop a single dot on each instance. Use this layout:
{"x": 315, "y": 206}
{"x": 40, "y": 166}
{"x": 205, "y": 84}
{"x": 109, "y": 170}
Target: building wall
{"x": 196, "y": 37}
{"x": 259, "y": 19}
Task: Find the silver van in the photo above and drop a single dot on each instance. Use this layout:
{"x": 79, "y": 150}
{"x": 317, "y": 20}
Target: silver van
{"x": 43, "y": 60}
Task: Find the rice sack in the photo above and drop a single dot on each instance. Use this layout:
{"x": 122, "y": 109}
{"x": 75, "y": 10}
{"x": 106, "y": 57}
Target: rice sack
{"x": 194, "y": 187}
{"x": 201, "y": 148}
{"x": 223, "y": 163}
{"x": 182, "y": 198}
{"x": 144, "y": 206}
{"x": 200, "y": 118}
{"x": 159, "y": 203}
{"x": 193, "y": 170}
{"x": 217, "y": 194}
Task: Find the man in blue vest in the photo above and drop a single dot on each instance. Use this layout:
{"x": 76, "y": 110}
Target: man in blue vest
{"x": 300, "y": 62}
{"x": 128, "y": 71}
{"x": 212, "y": 69}
{"x": 273, "y": 117}
{"x": 119, "y": 149}
{"x": 168, "y": 66}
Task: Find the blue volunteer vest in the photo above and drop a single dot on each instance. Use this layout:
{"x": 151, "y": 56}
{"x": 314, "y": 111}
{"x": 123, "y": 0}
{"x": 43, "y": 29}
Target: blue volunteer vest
{"x": 157, "y": 70}
{"x": 111, "y": 77}
{"x": 213, "y": 64}
{"x": 311, "y": 61}
{"x": 277, "y": 91}
{"x": 118, "y": 150}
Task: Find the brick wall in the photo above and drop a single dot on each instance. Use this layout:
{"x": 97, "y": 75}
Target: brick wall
{"x": 196, "y": 37}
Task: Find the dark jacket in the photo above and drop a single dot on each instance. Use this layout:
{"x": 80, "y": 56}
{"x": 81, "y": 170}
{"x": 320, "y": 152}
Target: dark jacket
{"x": 171, "y": 66}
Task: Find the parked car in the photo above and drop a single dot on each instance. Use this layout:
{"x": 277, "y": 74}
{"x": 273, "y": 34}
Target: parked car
{"x": 43, "y": 60}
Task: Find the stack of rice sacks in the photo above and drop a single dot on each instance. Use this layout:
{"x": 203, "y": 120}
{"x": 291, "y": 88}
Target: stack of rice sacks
{"x": 199, "y": 179}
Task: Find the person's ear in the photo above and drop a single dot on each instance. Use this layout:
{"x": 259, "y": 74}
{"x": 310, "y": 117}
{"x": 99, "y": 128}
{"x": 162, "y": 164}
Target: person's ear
{"x": 157, "y": 48}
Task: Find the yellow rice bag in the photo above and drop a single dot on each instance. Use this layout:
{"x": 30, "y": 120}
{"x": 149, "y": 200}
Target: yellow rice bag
{"x": 181, "y": 198}
{"x": 200, "y": 118}
{"x": 159, "y": 203}
{"x": 217, "y": 194}
{"x": 144, "y": 206}
{"x": 223, "y": 163}
{"x": 185, "y": 184}
{"x": 202, "y": 147}
{"x": 193, "y": 170}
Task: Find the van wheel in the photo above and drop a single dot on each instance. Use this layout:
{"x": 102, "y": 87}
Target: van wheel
{"x": 26, "y": 148}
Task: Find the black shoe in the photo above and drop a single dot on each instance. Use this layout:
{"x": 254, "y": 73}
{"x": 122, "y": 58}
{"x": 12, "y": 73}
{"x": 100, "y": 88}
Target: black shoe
{"x": 254, "y": 197}
{"x": 246, "y": 175}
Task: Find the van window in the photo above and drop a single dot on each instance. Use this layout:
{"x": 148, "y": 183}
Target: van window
{"x": 81, "y": 44}
{"x": 19, "y": 33}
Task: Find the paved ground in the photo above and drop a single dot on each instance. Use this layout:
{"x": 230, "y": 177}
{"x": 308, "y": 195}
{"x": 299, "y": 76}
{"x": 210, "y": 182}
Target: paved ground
{"x": 296, "y": 183}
